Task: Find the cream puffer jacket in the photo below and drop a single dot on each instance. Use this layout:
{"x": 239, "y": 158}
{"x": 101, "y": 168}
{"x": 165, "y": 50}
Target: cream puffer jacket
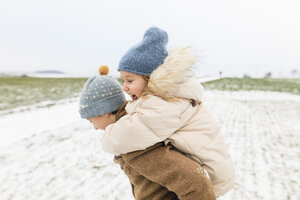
{"x": 191, "y": 129}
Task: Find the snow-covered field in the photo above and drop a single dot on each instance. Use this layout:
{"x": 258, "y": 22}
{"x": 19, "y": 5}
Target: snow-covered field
{"x": 50, "y": 153}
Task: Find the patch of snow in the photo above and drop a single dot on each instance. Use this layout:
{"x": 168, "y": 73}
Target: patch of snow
{"x": 20, "y": 125}
{"x": 50, "y": 153}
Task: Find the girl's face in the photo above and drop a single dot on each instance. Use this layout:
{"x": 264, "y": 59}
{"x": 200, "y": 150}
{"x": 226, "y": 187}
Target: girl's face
{"x": 133, "y": 85}
{"x": 101, "y": 122}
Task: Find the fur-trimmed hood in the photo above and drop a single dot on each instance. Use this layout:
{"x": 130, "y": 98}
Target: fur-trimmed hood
{"x": 174, "y": 78}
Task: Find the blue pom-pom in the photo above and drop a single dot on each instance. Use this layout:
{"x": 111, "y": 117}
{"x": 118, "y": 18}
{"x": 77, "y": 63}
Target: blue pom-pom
{"x": 155, "y": 34}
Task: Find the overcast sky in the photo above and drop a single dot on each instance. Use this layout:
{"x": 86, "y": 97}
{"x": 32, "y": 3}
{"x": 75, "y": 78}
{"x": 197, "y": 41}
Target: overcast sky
{"x": 236, "y": 37}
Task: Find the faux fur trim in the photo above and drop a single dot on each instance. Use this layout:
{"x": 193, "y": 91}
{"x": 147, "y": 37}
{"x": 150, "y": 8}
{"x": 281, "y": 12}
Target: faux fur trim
{"x": 164, "y": 81}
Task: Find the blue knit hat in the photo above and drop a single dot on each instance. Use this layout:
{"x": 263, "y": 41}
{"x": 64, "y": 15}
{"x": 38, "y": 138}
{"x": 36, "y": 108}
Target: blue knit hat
{"x": 100, "y": 95}
{"x": 147, "y": 55}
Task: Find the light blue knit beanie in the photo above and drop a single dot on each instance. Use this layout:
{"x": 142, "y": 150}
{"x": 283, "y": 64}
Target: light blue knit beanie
{"x": 144, "y": 57}
{"x": 100, "y": 95}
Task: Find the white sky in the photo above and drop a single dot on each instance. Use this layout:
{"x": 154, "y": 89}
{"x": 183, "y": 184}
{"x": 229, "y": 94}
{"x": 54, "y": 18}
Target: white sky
{"x": 233, "y": 36}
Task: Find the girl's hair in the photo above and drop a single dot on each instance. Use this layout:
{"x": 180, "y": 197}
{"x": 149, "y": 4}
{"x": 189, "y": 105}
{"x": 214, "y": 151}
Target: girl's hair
{"x": 146, "y": 78}
{"x": 121, "y": 111}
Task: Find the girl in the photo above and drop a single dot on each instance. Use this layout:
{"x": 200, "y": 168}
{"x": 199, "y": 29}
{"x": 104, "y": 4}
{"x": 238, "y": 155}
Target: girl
{"x": 157, "y": 173}
{"x": 167, "y": 106}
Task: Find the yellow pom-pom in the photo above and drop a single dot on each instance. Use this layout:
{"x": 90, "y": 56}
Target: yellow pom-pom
{"x": 103, "y": 70}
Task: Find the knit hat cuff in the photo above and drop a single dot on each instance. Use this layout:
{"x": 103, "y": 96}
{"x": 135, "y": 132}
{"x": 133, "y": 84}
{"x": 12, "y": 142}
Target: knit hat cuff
{"x": 103, "y": 106}
{"x": 134, "y": 71}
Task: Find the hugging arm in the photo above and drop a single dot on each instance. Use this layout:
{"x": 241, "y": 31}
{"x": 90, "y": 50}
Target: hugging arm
{"x": 148, "y": 122}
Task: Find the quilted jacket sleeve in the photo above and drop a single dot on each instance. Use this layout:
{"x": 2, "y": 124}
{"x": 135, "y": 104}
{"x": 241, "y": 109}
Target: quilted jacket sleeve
{"x": 148, "y": 122}
{"x": 172, "y": 170}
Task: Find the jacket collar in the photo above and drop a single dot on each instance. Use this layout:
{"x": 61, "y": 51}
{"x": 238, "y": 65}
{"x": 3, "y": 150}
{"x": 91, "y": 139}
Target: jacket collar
{"x": 174, "y": 78}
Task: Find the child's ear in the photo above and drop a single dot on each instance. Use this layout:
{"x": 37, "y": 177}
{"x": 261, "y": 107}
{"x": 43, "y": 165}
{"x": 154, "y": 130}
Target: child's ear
{"x": 109, "y": 115}
{"x": 112, "y": 116}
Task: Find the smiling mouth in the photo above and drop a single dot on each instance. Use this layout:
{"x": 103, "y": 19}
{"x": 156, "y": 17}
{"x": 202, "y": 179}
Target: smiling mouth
{"x": 133, "y": 97}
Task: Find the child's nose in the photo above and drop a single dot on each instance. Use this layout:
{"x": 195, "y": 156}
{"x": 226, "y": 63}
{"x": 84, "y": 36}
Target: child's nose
{"x": 124, "y": 88}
